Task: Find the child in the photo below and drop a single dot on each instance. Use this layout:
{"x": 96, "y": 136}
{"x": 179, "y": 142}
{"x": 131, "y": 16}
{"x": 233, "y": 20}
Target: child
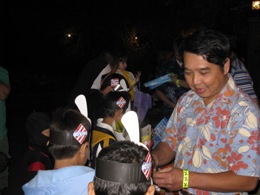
{"x": 96, "y": 98}
{"x": 123, "y": 168}
{"x": 69, "y": 139}
{"x": 103, "y": 133}
{"x": 36, "y": 156}
{"x": 131, "y": 79}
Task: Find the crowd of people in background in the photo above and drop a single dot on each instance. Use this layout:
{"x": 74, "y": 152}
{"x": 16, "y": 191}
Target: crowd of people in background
{"x": 211, "y": 140}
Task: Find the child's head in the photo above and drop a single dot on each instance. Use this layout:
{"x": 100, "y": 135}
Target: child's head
{"x": 122, "y": 64}
{"x": 113, "y": 81}
{"x": 121, "y": 169}
{"x": 122, "y": 60}
{"x": 116, "y": 104}
{"x": 69, "y": 135}
{"x": 38, "y": 127}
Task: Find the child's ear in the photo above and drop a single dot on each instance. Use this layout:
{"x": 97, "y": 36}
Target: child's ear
{"x": 91, "y": 190}
{"x": 150, "y": 190}
{"x": 83, "y": 148}
{"x": 118, "y": 114}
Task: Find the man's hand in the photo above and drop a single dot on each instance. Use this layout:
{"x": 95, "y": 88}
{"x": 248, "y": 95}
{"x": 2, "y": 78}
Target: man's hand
{"x": 174, "y": 77}
{"x": 155, "y": 162}
{"x": 169, "y": 177}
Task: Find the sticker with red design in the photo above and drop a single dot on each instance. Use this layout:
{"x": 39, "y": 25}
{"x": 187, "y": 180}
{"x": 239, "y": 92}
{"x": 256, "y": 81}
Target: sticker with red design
{"x": 114, "y": 82}
{"x": 121, "y": 102}
{"x": 147, "y": 166}
{"x": 80, "y": 133}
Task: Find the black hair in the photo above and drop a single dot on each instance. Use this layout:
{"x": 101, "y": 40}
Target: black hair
{"x": 109, "y": 78}
{"x": 111, "y": 102}
{"x": 113, "y": 57}
{"x": 122, "y": 57}
{"x": 178, "y": 47}
{"x": 122, "y": 152}
{"x": 36, "y": 122}
{"x": 66, "y": 121}
{"x": 212, "y": 45}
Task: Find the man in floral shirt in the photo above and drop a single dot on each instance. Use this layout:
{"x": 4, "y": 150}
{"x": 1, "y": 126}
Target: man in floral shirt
{"x": 213, "y": 133}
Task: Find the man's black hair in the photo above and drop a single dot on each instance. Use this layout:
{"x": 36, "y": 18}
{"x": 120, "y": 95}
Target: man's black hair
{"x": 212, "y": 45}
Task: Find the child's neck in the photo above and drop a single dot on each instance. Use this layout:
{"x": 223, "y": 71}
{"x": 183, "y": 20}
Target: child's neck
{"x": 64, "y": 163}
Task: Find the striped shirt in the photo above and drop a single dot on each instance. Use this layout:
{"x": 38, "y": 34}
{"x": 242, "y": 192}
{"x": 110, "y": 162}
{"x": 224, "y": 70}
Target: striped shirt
{"x": 241, "y": 76}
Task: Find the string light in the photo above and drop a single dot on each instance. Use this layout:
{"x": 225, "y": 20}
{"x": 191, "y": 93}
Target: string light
{"x": 255, "y": 5}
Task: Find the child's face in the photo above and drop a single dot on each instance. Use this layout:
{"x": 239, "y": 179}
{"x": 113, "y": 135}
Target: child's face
{"x": 122, "y": 65}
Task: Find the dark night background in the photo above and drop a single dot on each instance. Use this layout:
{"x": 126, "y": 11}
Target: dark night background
{"x": 43, "y": 62}
{"x": 41, "y": 57}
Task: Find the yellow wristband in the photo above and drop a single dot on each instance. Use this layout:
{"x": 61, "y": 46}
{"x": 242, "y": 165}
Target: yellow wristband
{"x": 185, "y": 182}
{"x": 177, "y": 83}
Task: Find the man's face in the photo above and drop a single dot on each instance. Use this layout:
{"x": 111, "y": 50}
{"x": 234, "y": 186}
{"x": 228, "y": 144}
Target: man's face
{"x": 203, "y": 77}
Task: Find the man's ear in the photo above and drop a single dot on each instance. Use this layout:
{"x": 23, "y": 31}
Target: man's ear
{"x": 150, "y": 190}
{"x": 91, "y": 190}
{"x": 227, "y": 66}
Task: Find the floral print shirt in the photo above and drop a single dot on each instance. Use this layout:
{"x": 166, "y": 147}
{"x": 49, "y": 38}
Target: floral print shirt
{"x": 219, "y": 137}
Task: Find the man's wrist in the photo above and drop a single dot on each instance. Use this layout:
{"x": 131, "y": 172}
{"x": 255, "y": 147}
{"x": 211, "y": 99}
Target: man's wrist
{"x": 185, "y": 181}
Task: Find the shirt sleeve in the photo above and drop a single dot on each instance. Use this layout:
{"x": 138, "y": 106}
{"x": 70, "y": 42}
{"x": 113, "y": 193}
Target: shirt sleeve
{"x": 169, "y": 136}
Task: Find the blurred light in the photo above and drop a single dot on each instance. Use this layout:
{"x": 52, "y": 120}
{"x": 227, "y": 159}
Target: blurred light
{"x": 134, "y": 39}
{"x": 255, "y": 5}
{"x": 69, "y": 35}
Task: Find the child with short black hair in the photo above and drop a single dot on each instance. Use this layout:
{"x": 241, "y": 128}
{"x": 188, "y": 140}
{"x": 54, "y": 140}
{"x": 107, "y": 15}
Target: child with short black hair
{"x": 123, "y": 168}
{"x": 103, "y": 133}
{"x": 69, "y": 139}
